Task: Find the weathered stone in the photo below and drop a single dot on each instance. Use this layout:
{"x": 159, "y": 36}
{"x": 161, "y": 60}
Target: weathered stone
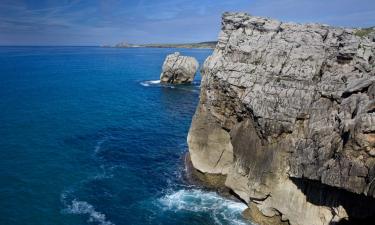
{"x": 208, "y": 180}
{"x": 179, "y": 69}
{"x": 210, "y": 148}
{"x": 252, "y": 213}
{"x": 289, "y": 104}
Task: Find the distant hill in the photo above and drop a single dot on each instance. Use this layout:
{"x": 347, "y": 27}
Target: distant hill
{"x": 207, "y": 44}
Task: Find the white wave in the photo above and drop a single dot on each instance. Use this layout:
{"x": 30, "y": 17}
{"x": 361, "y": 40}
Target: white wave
{"x": 99, "y": 145}
{"x": 222, "y": 210}
{"x": 84, "y": 208}
{"x": 154, "y": 81}
{"x": 150, "y": 82}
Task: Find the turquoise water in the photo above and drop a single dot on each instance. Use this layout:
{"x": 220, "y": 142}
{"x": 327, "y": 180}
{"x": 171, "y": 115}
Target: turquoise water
{"x": 87, "y": 136}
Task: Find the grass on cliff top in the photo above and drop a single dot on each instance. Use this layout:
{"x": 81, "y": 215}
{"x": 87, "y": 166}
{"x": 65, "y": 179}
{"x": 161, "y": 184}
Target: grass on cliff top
{"x": 364, "y": 31}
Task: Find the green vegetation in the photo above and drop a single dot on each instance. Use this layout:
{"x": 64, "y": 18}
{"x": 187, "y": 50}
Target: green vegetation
{"x": 364, "y": 31}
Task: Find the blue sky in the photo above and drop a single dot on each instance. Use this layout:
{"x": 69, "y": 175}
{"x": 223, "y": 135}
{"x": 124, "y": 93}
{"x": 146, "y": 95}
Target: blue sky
{"x": 96, "y": 22}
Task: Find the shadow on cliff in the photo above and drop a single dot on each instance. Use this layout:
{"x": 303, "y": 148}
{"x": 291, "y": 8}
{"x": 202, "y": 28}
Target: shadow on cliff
{"x": 360, "y": 208}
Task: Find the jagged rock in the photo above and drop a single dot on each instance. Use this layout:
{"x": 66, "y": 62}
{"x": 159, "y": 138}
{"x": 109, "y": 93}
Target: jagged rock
{"x": 372, "y": 35}
{"x": 179, "y": 69}
{"x": 252, "y": 213}
{"x": 294, "y": 105}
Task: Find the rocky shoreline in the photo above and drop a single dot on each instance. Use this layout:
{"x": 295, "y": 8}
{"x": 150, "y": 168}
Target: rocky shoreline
{"x": 286, "y": 121}
{"x": 216, "y": 182}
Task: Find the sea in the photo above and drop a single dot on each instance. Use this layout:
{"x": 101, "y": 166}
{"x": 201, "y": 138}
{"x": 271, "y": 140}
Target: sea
{"x": 88, "y": 135}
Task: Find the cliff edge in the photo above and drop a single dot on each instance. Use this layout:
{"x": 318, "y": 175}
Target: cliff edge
{"x": 287, "y": 116}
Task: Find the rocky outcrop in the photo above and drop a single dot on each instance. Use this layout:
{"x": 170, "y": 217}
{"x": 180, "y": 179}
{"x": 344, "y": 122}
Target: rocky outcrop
{"x": 287, "y": 114}
{"x": 372, "y": 35}
{"x": 179, "y": 69}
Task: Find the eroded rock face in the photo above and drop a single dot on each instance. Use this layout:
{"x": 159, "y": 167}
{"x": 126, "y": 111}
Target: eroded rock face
{"x": 179, "y": 69}
{"x": 372, "y": 35}
{"x": 295, "y": 106}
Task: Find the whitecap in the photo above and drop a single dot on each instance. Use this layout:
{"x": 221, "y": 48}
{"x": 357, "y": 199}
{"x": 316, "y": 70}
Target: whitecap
{"x": 145, "y": 84}
{"x": 84, "y": 208}
{"x": 154, "y": 81}
{"x": 99, "y": 145}
{"x": 222, "y": 210}
{"x": 148, "y": 83}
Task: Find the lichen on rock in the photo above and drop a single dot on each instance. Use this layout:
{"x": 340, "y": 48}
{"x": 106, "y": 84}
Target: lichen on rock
{"x": 291, "y": 107}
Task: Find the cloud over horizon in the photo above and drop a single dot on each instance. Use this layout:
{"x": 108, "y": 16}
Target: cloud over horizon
{"x": 96, "y": 22}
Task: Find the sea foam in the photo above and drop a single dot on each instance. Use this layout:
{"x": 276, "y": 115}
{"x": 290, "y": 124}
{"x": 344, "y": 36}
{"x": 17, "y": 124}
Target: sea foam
{"x": 82, "y": 207}
{"x": 222, "y": 210}
{"x": 150, "y": 82}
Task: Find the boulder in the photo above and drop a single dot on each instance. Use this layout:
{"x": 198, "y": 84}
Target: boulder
{"x": 178, "y": 69}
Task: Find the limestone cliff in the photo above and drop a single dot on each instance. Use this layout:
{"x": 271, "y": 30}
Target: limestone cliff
{"x": 287, "y": 115}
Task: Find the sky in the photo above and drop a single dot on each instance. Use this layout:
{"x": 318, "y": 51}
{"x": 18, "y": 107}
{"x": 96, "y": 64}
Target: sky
{"x": 99, "y": 22}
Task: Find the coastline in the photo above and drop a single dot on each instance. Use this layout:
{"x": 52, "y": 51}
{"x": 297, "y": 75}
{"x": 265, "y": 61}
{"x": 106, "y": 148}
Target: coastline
{"x": 216, "y": 183}
{"x": 200, "y": 45}
{"x": 160, "y": 47}
{"x": 210, "y": 182}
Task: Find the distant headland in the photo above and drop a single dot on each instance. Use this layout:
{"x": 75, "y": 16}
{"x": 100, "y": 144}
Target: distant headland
{"x": 207, "y": 44}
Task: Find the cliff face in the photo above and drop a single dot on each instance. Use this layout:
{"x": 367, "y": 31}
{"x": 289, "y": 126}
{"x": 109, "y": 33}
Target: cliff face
{"x": 287, "y": 114}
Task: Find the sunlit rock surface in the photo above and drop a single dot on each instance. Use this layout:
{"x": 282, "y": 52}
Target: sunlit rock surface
{"x": 179, "y": 69}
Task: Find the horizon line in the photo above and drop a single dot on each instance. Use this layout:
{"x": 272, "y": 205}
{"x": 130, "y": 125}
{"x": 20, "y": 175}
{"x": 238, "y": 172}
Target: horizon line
{"x": 50, "y": 45}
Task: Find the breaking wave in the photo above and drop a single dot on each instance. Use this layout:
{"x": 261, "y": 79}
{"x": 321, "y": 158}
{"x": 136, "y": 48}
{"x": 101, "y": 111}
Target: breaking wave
{"x": 222, "y": 210}
{"x": 150, "y": 82}
{"x": 194, "y": 86}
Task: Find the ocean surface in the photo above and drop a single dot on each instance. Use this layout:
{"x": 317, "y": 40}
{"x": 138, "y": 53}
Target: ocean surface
{"x": 88, "y": 136}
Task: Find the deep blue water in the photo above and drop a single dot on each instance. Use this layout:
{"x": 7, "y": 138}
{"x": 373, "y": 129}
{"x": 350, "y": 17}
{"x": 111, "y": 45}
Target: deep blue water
{"x": 86, "y": 137}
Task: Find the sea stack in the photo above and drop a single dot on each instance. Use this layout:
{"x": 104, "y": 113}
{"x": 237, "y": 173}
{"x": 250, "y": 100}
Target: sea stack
{"x": 178, "y": 69}
{"x": 287, "y": 118}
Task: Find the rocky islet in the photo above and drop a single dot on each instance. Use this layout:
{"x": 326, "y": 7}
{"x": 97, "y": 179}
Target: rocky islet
{"x": 178, "y": 69}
